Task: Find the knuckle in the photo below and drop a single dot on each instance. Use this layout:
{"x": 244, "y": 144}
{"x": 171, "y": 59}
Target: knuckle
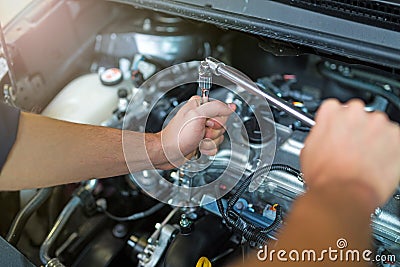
{"x": 356, "y": 102}
{"x": 330, "y": 103}
{"x": 195, "y": 97}
{"x": 326, "y": 108}
{"x": 207, "y": 144}
{"x": 192, "y": 102}
{"x": 380, "y": 117}
{"x": 211, "y": 152}
{"x": 193, "y": 113}
{"x": 209, "y": 132}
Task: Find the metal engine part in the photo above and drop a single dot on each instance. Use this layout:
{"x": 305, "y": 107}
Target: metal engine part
{"x": 101, "y": 34}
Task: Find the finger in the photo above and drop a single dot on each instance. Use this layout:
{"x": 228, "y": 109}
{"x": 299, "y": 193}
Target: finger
{"x": 355, "y": 103}
{"x": 215, "y": 109}
{"x": 379, "y": 116}
{"x": 210, "y": 147}
{"x": 217, "y": 122}
{"x": 327, "y": 108}
{"x": 210, "y": 144}
{"x": 211, "y": 152}
{"x": 355, "y": 111}
{"x": 192, "y": 103}
{"x": 207, "y": 144}
{"x": 210, "y": 123}
{"x": 196, "y": 98}
{"x": 214, "y": 133}
{"x": 219, "y": 140}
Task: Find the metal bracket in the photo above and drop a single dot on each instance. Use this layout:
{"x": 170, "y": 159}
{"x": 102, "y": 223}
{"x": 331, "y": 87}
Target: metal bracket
{"x": 154, "y": 251}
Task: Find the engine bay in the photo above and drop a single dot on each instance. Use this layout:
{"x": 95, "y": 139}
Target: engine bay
{"x": 118, "y": 66}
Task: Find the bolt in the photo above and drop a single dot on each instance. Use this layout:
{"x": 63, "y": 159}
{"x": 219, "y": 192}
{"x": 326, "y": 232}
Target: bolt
{"x": 119, "y": 230}
{"x": 378, "y": 212}
{"x": 184, "y": 222}
{"x": 101, "y": 204}
{"x": 387, "y": 87}
{"x": 239, "y": 206}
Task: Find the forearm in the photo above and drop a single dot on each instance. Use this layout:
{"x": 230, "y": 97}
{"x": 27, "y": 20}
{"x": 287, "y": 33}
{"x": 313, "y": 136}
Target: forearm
{"x": 321, "y": 217}
{"x": 49, "y": 152}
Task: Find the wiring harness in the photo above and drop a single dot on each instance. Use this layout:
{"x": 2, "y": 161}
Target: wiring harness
{"x": 246, "y": 228}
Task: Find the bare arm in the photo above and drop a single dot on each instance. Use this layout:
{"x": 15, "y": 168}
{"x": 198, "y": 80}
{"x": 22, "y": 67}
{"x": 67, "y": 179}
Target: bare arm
{"x": 49, "y": 152}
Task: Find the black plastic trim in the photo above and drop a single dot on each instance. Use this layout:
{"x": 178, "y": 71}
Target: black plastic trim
{"x": 372, "y": 12}
{"x": 291, "y": 24}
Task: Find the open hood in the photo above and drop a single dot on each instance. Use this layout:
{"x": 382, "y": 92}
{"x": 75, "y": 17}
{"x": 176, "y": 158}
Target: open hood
{"x": 361, "y": 30}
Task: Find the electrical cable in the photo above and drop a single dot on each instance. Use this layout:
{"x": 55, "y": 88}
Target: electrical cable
{"x": 243, "y": 226}
{"x": 274, "y": 167}
{"x": 22, "y": 217}
{"x": 136, "y": 216}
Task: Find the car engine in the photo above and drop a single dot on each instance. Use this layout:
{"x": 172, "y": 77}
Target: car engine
{"x": 119, "y": 64}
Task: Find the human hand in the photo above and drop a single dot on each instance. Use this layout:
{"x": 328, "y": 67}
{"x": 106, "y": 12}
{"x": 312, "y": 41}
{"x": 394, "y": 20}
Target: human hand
{"x": 349, "y": 144}
{"x": 194, "y": 126}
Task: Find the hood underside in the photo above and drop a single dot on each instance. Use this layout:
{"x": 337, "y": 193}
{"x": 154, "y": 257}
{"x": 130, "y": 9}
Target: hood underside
{"x": 361, "y": 30}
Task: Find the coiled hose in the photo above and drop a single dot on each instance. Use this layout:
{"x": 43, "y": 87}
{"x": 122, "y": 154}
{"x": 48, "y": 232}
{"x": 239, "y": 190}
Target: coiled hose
{"x": 243, "y": 226}
{"x": 23, "y": 216}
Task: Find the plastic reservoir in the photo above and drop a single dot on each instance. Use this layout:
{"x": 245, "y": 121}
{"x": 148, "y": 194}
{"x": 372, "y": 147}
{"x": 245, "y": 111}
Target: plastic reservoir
{"x": 84, "y": 100}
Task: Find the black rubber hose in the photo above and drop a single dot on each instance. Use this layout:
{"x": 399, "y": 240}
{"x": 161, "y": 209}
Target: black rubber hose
{"x": 375, "y": 77}
{"x": 360, "y": 85}
{"x": 22, "y": 217}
